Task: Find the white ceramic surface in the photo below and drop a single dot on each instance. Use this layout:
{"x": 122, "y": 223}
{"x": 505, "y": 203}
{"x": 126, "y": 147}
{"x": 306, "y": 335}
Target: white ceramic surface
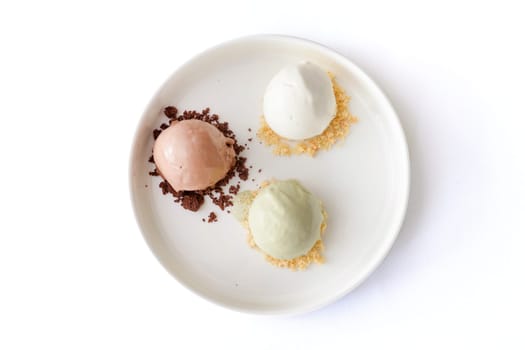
{"x": 363, "y": 182}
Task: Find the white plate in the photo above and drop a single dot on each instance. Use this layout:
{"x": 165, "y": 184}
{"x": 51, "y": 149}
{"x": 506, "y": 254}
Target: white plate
{"x": 363, "y": 182}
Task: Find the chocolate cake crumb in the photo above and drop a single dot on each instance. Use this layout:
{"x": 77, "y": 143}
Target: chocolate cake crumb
{"x": 171, "y": 112}
{"x": 166, "y": 188}
{"x": 212, "y": 217}
{"x": 234, "y": 189}
{"x": 222, "y": 201}
{"x": 156, "y": 133}
{"x": 259, "y": 170}
{"x": 250, "y": 129}
{"x": 193, "y": 200}
{"x": 241, "y": 168}
{"x": 203, "y": 220}
{"x": 250, "y": 139}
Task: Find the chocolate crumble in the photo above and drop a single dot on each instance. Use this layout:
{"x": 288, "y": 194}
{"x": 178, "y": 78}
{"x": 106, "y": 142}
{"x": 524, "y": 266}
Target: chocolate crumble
{"x": 193, "y": 200}
{"x": 212, "y": 217}
{"x": 234, "y": 189}
{"x": 156, "y": 133}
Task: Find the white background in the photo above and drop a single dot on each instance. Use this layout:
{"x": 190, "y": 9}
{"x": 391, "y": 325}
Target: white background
{"x": 75, "y": 272}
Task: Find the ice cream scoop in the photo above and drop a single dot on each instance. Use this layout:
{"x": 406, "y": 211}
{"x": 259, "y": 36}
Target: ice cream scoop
{"x": 284, "y": 218}
{"x": 299, "y": 102}
{"x": 193, "y": 155}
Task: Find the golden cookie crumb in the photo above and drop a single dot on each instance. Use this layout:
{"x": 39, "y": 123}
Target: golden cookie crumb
{"x": 336, "y": 130}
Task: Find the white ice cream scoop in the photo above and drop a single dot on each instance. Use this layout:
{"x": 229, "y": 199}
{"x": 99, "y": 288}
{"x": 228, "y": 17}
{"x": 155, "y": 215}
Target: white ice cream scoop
{"x": 299, "y": 102}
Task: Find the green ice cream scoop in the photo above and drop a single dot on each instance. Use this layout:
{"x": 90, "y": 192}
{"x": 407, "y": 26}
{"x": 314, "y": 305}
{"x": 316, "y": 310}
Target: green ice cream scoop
{"x": 285, "y": 219}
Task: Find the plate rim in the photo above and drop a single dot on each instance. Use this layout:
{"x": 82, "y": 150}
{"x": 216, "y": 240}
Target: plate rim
{"x": 404, "y": 154}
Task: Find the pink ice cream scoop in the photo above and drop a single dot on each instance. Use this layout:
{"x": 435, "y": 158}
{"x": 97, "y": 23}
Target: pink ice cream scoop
{"x": 193, "y": 155}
